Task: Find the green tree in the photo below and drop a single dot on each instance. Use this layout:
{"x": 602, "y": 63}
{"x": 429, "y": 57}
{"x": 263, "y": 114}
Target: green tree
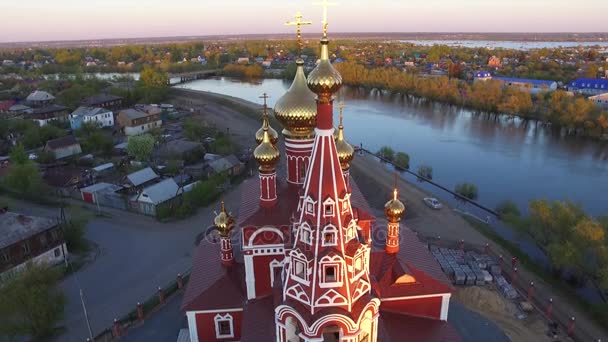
{"x": 386, "y": 153}
{"x": 425, "y": 171}
{"x": 31, "y": 304}
{"x": 23, "y": 175}
{"x": 467, "y": 190}
{"x": 402, "y": 161}
{"x": 508, "y": 209}
{"x": 150, "y": 77}
{"x": 141, "y": 147}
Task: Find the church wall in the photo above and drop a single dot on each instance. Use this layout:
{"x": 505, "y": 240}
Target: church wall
{"x": 205, "y": 325}
{"x": 263, "y": 270}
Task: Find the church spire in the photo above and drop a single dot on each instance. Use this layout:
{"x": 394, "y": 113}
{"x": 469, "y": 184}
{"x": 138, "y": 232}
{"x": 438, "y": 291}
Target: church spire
{"x": 346, "y": 152}
{"x": 394, "y": 210}
{"x": 259, "y": 135}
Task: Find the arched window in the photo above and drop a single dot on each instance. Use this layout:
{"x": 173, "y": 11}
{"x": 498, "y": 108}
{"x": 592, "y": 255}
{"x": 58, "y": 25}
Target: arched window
{"x": 330, "y": 236}
{"x": 305, "y": 234}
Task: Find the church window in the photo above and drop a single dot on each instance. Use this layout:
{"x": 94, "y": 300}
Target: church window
{"x": 330, "y": 275}
{"x": 358, "y": 264}
{"x": 305, "y": 234}
{"x": 26, "y": 248}
{"x": 224, "y": 326}
{"x": 329, "y": 210}
{"x": 299, "y": 269}
{"x": 330, "y": 236}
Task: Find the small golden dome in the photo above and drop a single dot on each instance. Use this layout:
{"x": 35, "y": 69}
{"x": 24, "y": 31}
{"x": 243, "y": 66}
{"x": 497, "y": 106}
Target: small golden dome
{"x": 324, "y": 80}
{"x": 259, "y": 135}
{"x": 346, "y": 152}
{"x": 266, "y": 154}
{"x": 394, "y": 209}
{"x": 223, "y": 221}
{"x": 297, "y": 108}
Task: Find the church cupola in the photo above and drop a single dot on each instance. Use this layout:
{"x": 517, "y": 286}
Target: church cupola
{"x": 394, "y": 211}
{"x": 259, "y": 135}
{"x": 346, "y": 152}
{"x": 224, "y": 223}
{"x": 267, "y": 156}
{"x": 296, "y": 110}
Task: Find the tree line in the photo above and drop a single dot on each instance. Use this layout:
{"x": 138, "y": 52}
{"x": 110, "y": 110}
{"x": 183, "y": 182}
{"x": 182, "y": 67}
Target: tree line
{"x": 574, "y": 114}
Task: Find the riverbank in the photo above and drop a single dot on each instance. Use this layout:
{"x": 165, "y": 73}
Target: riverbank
{"x": 376, "y": 182}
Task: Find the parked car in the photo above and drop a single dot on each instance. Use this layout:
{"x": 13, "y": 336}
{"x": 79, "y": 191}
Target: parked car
{"x": 433, "y": 203}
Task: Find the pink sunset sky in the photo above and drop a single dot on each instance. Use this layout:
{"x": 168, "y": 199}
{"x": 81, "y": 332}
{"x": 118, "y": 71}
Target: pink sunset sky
{"x": 27, "y": 20}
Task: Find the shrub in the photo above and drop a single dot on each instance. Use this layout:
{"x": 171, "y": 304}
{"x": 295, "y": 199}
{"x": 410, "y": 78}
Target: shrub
{"x": 402, "y": 161}
{"x": 386, "y": 153}
{"x": 467, "y": 190}
{"x": 425, "y": 171}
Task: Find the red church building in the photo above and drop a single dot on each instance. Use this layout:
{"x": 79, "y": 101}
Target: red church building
{"x": 298, "y": 263}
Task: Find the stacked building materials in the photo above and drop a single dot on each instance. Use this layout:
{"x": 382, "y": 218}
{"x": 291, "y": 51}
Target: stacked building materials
{"x": 466, "y": 268}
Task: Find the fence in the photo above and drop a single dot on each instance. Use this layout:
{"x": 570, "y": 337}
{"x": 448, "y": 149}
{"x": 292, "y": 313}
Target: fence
{"x": 543, "y": 302}
{"x": 137, "y": 316}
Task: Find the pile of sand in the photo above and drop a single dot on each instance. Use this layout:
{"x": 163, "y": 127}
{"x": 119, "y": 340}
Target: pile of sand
{"x": 481, "y": 298}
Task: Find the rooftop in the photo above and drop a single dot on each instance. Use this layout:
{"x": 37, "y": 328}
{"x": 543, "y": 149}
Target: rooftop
{"x": 96, "y": 100}
{"x": 50, "y": 109}
{"x": 16, "y": 227}
{"x": 63, "y": 142}
{"x": 133, "y": 114}
{"x": 160, "y": 192}
{"x": 89, "y": 111}
{"x": 40, "y": 95}
{"x": 142, "y": 176}
{"x": 525, "y": 80}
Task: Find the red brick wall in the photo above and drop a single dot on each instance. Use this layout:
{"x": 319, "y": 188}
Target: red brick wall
{"x": 423, "y": 307}
{"x": 205, "y": 326}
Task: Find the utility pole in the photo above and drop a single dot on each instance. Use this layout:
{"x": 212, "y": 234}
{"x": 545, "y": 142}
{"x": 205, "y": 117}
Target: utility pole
{"x": 86, "y": 315}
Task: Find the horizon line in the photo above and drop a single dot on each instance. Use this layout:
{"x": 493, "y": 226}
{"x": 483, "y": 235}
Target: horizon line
{"x": 195, "y": 36}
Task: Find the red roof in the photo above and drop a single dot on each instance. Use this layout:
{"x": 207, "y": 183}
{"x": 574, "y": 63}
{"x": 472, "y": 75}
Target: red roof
{"x": 386, "y": 269}
{"x": 258, "y": 320}
{"x": 396, "y": 327}
{"x": 211, "y": 285}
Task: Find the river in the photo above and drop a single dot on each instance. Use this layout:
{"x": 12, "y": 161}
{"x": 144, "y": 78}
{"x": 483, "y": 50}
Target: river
{"x": 505, "y": 158}
{"x": 512, "y": 45}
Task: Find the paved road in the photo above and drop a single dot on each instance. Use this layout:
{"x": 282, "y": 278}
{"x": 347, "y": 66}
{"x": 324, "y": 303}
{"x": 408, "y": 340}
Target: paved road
{"x": 137, "y": 254}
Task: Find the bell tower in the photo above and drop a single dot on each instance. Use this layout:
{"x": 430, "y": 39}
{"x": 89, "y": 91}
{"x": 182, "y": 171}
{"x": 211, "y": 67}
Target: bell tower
{"x": 327, "y": 288}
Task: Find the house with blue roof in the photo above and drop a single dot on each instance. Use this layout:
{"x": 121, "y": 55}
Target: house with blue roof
{"x": 528, "y": 85}
{"x": 589, "y": 86}
{"x": 482, "y": 76}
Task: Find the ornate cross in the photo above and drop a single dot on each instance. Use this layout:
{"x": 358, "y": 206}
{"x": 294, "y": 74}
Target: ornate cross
{"x": 265, "y": 96}
{"x": 325, "y": 4}
{"x": 298, "y": 24}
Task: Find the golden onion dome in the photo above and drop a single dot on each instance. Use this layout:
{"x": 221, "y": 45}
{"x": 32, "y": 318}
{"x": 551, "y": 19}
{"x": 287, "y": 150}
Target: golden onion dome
{"x": 259, "y": 135}
{"x": 346, "y": 152}
{"x": 266, "y": 154}
{"x": 223, "y": 221}
{"x": 394, "y": 209}
{"x": 324, "y": 80}
{"x": 297, "y": 108}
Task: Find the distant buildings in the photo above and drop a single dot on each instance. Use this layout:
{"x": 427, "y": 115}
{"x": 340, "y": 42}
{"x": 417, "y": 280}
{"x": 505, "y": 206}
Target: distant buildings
{"x": 25, "y": 239}
{"x": 99, "y": 116}
{"x": 600, "y": 100}
{"x": 482, "y": 76}
{"x": 44, "y": 115}
{"x": 39, "y": 99}
{"x": 135, "y": 122}
{"x": 589, "y": 86}
{"x": 103, "y": 101}
{"x": 63, "y": 147}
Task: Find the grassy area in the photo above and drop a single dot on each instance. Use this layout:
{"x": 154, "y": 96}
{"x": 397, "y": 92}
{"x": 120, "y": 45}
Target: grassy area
{"x": 599, "y": 313}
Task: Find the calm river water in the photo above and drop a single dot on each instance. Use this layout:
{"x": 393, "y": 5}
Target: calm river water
{"x": 505, "y": 159}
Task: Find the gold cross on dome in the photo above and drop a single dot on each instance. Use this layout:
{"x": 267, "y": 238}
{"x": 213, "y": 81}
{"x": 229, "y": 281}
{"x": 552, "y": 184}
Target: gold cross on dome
{"x": 325, "y": 4}
{"x": 298, "y": 24}
{"x": 265, "y": 96}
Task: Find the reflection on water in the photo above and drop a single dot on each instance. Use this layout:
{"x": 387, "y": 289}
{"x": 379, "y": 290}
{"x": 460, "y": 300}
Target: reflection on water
{"x": 507, "y": 158}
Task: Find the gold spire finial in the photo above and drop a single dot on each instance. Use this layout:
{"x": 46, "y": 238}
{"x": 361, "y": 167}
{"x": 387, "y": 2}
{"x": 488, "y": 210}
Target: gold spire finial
{"x": 341, "y": 106}
{"x": 325, "y": 4}
{"x": 298, "y": 24}
{"x": 259, "y": 135}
